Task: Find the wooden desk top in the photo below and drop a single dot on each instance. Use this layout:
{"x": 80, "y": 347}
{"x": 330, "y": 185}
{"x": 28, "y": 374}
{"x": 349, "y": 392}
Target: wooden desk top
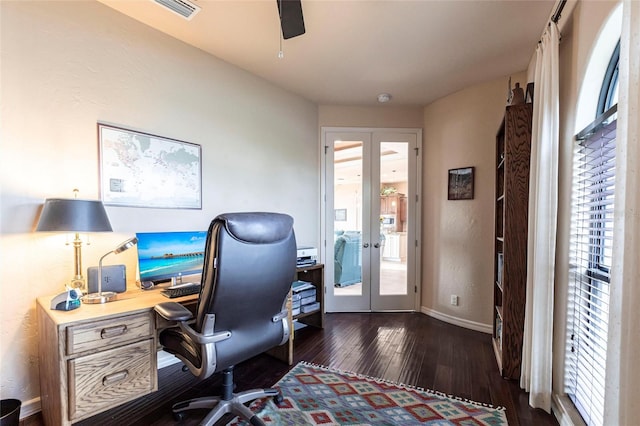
{"x": 129, "y": 302}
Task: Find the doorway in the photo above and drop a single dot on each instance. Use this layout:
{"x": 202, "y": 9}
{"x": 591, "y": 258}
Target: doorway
{"x": 371, "y": 219}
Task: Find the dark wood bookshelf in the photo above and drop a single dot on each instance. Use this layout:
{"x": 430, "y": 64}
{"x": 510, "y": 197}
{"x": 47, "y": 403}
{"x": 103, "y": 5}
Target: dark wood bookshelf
{"x": 513, "y": 150}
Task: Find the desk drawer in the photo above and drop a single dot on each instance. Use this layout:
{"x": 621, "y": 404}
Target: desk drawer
{"x": 107, "y": 379}
{"x": 102, "y": 334}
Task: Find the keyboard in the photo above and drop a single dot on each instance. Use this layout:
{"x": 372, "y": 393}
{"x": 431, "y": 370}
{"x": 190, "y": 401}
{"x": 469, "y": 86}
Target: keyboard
{"x": 181, "y": 290}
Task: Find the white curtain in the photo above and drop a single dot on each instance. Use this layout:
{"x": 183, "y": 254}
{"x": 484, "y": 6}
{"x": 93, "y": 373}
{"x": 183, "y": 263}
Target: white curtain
{"x": 622, "y": 382}
{"x": 543, "y": 213}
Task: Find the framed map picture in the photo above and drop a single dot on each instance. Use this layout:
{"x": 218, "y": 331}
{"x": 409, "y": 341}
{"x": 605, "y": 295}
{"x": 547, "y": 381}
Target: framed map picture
{"x": 143, "y": 170}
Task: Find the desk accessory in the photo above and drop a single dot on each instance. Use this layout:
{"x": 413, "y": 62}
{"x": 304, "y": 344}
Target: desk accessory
{"x": 74, "y": 215}
{"x": 114, "y": 278}
{"x": 107, "y": 296}
{"x": 180, "y": 290}
{"x": 145, "y": 285}
{"x": 66, "y": 301}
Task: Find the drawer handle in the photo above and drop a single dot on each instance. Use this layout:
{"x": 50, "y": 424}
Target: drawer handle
{"x": 113, "y": 331}
{"x": 114, "y": 378}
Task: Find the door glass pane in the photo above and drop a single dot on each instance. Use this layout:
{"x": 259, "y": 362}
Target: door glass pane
{"x": 394, "y": 175}
{"x": 348, "y": 202}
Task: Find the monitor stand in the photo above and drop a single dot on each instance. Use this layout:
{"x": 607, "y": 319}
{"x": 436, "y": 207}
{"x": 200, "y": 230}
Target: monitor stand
{"x": 176, "y": 282}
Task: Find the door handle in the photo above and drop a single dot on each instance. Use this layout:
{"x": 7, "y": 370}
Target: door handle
{"x": 377, "y": 245}
{"x": 365, "y": 245}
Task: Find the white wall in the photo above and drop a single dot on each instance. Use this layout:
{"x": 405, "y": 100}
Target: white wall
{"x": 457, "y": 256}
{"x": 67, "y": 65}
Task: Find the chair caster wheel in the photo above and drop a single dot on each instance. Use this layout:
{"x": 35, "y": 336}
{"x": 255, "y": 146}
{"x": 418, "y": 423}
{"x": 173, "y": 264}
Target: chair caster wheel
{"x": 278, "y": 399}
{"x": 178, "y": 417}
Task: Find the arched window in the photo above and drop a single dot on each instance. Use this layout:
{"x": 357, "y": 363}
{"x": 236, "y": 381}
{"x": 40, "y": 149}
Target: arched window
{"x": 591, "y": 253}
{"x": 609, "y": 91}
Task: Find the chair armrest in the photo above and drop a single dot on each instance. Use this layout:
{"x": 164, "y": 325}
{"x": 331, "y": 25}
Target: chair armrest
{"x": 201, "y": 338}
{"x": 173, "y": 311}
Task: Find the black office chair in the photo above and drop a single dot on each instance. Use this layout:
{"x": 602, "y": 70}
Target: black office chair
{"x": 250, "y": 262}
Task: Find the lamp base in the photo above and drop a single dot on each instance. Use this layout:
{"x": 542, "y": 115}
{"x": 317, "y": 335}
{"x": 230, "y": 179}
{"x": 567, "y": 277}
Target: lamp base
{"x": 104, "y": 297}
{"x": 78, "y": 284}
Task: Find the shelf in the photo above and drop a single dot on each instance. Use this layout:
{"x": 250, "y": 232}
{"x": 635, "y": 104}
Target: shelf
{"x": 498, "y": 352}
{"x": 313, "y": 274}
{"x": 306, "y": 314}
{"x": 513, "y": 149}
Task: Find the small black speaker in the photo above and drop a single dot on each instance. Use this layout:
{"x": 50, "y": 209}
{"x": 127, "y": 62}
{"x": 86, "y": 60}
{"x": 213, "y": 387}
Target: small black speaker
{"x": 145, "y": 285}
{"x": 114, "y": 278}
{"x": 291, "y": 19}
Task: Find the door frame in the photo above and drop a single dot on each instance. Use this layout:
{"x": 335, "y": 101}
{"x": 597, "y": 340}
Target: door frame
{"x": 324, "y": 185}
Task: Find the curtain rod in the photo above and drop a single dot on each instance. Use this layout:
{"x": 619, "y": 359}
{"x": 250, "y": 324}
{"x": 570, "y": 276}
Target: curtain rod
{"x": 556, "y": 16}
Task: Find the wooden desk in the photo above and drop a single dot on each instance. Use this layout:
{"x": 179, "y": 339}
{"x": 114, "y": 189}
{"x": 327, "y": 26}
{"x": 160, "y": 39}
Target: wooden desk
{"x": 98, "y": 356}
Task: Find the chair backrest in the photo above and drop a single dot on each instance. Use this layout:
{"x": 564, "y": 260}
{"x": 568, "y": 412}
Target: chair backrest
{"x": 250, "y": 263}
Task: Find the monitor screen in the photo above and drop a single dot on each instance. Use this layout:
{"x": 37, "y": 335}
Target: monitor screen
{"x": 163, "y": 255}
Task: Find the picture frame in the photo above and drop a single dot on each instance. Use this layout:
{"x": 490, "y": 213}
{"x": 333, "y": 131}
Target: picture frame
{"x": 528, "y": 96}
{"x": 460, "y": 183}
{"x": 139, "y": 169}
{"x": 340, "y": 215}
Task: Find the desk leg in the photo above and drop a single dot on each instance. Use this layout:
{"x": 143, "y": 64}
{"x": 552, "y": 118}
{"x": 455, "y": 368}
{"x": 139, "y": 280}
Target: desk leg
{"x": 285, "y": 352}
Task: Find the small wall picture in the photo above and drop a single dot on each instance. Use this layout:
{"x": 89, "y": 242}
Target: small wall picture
{"x": 461, "y": 184}
{"x": 340, "y": 215}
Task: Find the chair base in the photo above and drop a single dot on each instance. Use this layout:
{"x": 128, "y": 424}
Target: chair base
{"x": 229, "y": 402}
{"x": 219, "y": 407}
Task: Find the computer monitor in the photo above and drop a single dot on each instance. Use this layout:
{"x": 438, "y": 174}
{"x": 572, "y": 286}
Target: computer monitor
{"x": 164, "y": 255}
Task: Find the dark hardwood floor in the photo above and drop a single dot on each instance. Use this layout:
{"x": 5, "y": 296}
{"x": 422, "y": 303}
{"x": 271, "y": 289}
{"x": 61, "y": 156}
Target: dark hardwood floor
{"x": 410, "y": 348}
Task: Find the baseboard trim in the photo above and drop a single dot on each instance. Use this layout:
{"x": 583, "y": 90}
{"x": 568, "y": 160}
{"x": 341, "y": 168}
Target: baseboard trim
{"x": 30, "y": 407}
{"x": 471, "y": 325}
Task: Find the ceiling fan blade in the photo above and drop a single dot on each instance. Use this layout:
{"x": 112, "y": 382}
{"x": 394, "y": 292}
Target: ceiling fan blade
{"x": 291, "y": 19}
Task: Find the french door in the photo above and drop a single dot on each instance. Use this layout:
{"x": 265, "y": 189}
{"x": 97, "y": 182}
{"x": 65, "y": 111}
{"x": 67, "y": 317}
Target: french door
{"x": 371, "y": 232}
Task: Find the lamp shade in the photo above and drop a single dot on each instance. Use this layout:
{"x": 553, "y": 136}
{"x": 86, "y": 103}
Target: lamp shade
{"x": 73, "y": 215}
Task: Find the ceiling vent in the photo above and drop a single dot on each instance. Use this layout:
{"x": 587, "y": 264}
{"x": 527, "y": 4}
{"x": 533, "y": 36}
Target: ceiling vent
{"x": 182, "y": 7}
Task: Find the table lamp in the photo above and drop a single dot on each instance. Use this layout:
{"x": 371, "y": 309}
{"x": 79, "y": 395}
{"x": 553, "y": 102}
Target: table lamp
{"x": 74, "y": 215}
{"x": 107, "y": 296}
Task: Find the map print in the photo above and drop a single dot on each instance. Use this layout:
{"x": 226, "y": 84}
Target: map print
{"x": 143, "y": 170}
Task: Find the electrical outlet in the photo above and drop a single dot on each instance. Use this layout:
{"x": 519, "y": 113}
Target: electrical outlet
{"x": 454, "y": 300}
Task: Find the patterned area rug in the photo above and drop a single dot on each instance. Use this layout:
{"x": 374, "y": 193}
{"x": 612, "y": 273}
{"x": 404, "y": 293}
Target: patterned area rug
{"x": 316, "y": 395}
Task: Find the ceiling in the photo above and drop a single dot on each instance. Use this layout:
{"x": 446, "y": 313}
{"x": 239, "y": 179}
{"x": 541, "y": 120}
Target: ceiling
{"x": 353, "y": 50}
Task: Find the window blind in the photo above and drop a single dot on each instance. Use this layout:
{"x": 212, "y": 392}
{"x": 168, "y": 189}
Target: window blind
{"x": 590, "y": 265}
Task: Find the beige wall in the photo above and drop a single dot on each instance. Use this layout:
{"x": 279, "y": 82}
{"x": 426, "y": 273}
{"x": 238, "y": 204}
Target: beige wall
{"x": 67, "y": 65}
{"x": 460, "y": 131}
{"x": 380, "y": 117}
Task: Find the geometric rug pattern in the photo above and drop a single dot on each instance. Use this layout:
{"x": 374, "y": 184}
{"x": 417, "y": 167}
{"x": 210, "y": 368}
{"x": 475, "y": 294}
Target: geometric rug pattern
{"x": 317, "y": 395}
